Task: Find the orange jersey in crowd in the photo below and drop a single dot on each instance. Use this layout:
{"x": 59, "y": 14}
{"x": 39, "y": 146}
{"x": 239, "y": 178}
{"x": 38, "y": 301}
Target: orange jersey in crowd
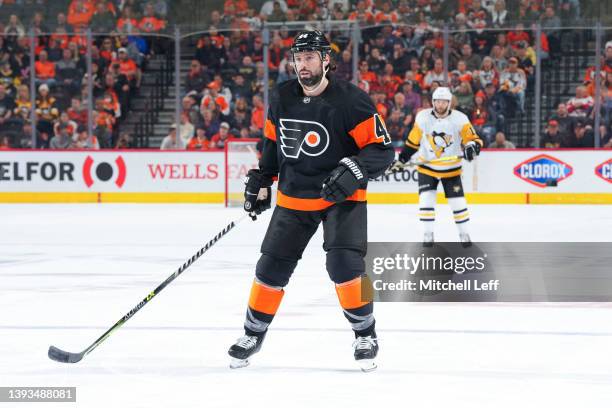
{"x": 44, "y": 70}
{"x": 80, "y": 16}
{"x": 198, "y": 144}
{"x": 127, "y": 67}
{"x": 124, "y": 23}
{"x": 151, "y": 24}
{"x": 220, "y": 101}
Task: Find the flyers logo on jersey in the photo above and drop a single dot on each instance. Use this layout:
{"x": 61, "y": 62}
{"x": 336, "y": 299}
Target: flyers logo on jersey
{"x": 439, "y": 142}
{"x": 302, "y": 136}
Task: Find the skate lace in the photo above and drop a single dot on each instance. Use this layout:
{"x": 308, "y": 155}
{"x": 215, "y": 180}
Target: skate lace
{"x": 363, "y": 343}
{"x": 247, "y": 342}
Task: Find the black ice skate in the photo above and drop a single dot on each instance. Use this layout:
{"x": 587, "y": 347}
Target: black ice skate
{"x": 466, "y": 242}
{"x": 366, "y": 349}
{"x": 244, "y": 348}
{"x": 428, "y": 239}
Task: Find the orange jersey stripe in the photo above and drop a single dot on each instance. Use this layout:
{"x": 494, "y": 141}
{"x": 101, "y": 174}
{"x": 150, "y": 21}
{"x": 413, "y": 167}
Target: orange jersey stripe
{"x": 270, "y": 130}
{"x": 265, "y": 299}
{"x": 365, "y": 132}
{"x": 312, "y": 204}
{"x": 349, "y": 294}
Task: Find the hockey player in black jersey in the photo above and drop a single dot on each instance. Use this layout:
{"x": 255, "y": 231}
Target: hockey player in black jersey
{"x": 323, "y": 140}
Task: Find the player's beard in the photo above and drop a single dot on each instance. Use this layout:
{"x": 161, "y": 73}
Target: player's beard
{"x": 311, "y": 80}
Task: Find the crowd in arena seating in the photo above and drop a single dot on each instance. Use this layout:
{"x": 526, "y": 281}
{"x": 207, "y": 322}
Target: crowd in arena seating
{"x": 490, "y": 71}
{"x": 491, "y": 66}
{"x": 119, "y": 54}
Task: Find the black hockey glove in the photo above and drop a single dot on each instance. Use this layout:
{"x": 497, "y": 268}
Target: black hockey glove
{"x": 257, "y": 193}
{"x": 344, "y": 180}
{"x": 471, "y": 150}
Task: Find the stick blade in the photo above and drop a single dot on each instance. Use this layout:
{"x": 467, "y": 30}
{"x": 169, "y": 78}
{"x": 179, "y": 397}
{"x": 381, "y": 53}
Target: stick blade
{"x": 62, "y": 356}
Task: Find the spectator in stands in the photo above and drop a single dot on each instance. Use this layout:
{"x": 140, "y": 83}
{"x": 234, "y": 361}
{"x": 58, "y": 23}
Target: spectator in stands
{"x": 501, "y": 142}
{"x": 498, "y": 55}
{"x": 551, "y": 25}
{"x": 80, "y": 13}
{"x": 128, "y": 67}
{"x": 64, "y": 120}
{"x": 472, "y": 61}
{"x": 23, "y": 105}
{"x": 487, "y": 73}
{"x": 127, "y": 23}
{"x": 14, "y": 29}
{"x": 344, "y": 67}
{"x": 553, "y": 138}
{"x": 150, "y": 23}
{"x": 479, "y": 117}
{"x": 241, "y": 116}
{"x": 83, "y": 140}
{"x": 526, "y": 59}
{"x": 61, "y": 24}
{"x": 171, "y": 142}
{"x": 287, "y": 72}
{"x": 400, "y": 60}
{"x": 465, "y": 97}
{"x": 376, "y": 61}
{"x": 62, "y": 140}
{"x": 583, "y": 135}
{"x": 218, "y": 140}
{"x": 104, "y": 121}
{"x": 239, "y": 88}
{"x": 67, "y": 74}
{"x": 257, "y": 117}
{"x": 124, "y": 141}
{"x": 5, "y": 143}
{"x": 103, "y": 20}
{"x": 607, "y": 98}
{"x": 212, "y": 95}
{"x": 77, "y": 112}
{"x": 436, "y": 74}
{"x": 562, "y": 117}
{"x": 54, "y": 50}
{"x": 186, "y": 130}
{"x": 396, "y": 127}
{"x": 46, "y": 110}
{"x": 45, "y": 70}
{"x": 199, "y": 141}
{"x": 197, "y": 78}
{"x": 494, "y": 104}
{"x": 9, "y": 78}
{"x": 499, "y": 14}
{"x": 366, "y": 75}
{"x": 581, "y": 104}
{"x": 191, "y": 108}
{"x": 512, "y": 85}
{"x": 209, "y": 123}
{"x": 7, "y": 104}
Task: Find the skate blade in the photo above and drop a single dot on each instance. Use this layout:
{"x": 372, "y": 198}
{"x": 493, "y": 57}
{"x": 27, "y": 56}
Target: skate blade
{"x": 238, "y": 363}
{"x": 367, "y": 365}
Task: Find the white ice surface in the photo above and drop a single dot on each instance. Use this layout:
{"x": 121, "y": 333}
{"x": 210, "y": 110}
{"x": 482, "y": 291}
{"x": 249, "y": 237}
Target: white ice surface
{"x": 68, "y": 272}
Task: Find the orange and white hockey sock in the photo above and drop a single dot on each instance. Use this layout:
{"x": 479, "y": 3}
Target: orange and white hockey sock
{"x": 359, "y": 313}
{"x": 264, "y": 301}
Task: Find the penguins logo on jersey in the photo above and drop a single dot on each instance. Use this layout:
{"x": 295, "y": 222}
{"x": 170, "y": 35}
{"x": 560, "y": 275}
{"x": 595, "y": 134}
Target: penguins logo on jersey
{"x": 439, "y": 142}
{"x": 302, "y": 136}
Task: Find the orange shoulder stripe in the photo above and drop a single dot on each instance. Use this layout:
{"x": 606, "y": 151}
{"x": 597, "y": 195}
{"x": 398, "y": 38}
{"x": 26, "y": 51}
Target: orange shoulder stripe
{"x": 270, "y": 130}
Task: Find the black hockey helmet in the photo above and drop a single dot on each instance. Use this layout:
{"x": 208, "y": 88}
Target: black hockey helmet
{"x": 311, "y": 41}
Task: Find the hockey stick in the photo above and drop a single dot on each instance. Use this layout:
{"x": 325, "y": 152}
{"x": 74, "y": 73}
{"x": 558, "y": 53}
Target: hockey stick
{"x": 441, "y": 160}
{"x": 68, "y": 357}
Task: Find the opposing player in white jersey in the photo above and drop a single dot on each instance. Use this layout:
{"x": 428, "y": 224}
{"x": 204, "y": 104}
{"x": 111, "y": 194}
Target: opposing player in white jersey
{"x": 439, "y": 134}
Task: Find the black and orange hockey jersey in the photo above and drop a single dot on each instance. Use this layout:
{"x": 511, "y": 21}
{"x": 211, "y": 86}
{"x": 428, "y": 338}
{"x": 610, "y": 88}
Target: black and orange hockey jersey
{"x": 306, "y": 137}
